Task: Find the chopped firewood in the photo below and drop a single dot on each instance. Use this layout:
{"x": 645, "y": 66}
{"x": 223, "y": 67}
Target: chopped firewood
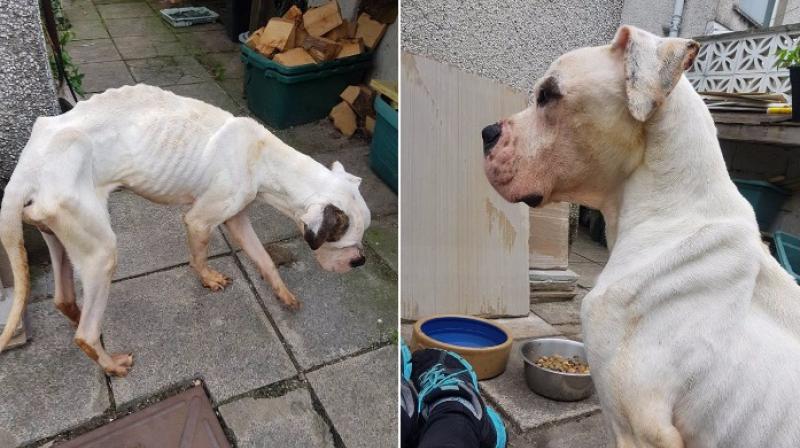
{"x": 321, "y": 49}
{"x": 253, "y": 39}
{"x": 294, "y": 57}
{"x": 279, "y": 34}
{"x": 370, "y": 30}
{"x": 350, "y": 47}
{"x": 320, "y": 20}
{"x": 340, "y": 32}
{"x": 351, "y": 29}
{"x": 360, "y": 98}
{"x": 369, "y": 124}
{"x": 300, "y": 35}
{"x": 294, "y": 14}
{"x": 344, "y": 119}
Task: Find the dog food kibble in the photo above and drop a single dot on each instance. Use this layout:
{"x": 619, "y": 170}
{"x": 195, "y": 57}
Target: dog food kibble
{"x": 561, "y": 364}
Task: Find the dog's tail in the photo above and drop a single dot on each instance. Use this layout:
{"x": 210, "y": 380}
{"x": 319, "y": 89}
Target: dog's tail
{"x": 14, "y": 199}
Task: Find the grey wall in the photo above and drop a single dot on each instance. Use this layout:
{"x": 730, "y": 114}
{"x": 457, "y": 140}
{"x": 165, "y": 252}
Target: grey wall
{"x": 26, "y": 87}
{"x": 386, "y": 56}
{"x": 511, "y": 41}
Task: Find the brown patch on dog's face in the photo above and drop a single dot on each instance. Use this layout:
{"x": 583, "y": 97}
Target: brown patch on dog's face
{"x": 334, "y": 225}
{"x": 575, "y": 140}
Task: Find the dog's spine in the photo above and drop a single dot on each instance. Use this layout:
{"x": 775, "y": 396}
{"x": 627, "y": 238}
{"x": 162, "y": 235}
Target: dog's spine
{"x": 11, "y": 237}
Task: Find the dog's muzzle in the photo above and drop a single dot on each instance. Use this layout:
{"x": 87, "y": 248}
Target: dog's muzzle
{"x": 490, "y": 135}
{"x": 532, "y": 200}
{"x": 356, "y": 262}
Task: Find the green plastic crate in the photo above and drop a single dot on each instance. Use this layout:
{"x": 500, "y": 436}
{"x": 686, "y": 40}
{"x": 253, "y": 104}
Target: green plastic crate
{"x": 258, "y": 60}
{"x": 788, "y": 248}
{"x": 283, "y": 100}
{"x": 765, "y": 198}
{"x": 383, "y": 151}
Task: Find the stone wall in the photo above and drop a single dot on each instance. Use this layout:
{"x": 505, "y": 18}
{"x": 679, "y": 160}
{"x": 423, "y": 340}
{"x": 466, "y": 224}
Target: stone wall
{"x": 27, "y": 90}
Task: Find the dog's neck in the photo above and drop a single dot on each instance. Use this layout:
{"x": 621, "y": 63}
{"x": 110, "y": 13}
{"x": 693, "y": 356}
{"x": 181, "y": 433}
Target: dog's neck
{"x": 682, "y": 170}
{"x": 289, "y": 180}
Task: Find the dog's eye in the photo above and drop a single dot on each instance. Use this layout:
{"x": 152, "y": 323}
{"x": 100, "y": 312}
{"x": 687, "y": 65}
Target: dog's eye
{"x": 548, "y": 92}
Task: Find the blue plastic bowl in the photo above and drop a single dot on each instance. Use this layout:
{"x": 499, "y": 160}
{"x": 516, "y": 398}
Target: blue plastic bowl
{"x": 464, "y": 332}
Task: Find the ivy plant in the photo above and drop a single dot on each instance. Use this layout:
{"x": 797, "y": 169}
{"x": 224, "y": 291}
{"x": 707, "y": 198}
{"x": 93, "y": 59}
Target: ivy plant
{"x": 788, "y": 57}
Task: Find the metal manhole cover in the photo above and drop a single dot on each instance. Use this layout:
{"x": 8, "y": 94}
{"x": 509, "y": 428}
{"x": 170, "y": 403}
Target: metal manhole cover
{"x": 183, "y": 421}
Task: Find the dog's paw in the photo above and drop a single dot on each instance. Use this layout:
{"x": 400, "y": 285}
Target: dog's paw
{"x": 290, "y": 301}
{"x": 121, "y": 364}
{"x": 215, "y": 281}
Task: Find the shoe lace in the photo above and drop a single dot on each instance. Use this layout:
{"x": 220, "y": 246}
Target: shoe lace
{"x": 435, "y": 378}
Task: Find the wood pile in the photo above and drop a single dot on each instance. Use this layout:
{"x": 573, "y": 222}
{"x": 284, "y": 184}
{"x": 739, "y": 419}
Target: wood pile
{"x": 356, "y": 111}
{"x": 318, "y": 35}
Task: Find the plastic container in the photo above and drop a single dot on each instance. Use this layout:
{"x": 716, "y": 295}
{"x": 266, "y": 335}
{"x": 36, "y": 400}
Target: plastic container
{"x": 765, "y": 198}
{"x": 484, "y": 344}
{"x": 287, "y": 96}
{"x": 188, "y": 16}
{"x": 788, "y": 251}
{"x": 383, "y": 151}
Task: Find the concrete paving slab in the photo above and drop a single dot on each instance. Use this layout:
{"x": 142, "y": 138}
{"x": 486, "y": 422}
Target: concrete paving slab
{"x": 531, "y": 326}
{"x": 125, "y": 10}
{"x": 587, "y": 273}
{"x": 381, "y": 237}
{"x": 109, "y": 2}
{"x": 223, "y": 65}
{"x": 269, "y": 224}
{"x": 76, "y": 4}
{"x": 168, "y": 70}
{"x": 138, "y": 26}
{"x": 49, "y": 385}
{"x": 588, "y": 432}
{"x": 571, "y": 331}
{"x": 318, "y": 137}
{"x": 178, "y": 330}
{"x": 210, "y": 92}
{"x": 140, "y": 47}
{"x": 380, "y": 198}
{"x": 406, "y": 330}
{"x": 288, "y": 421}
{"x": 94, "y": 50}
{"x": 85, "y": 12}
{"x": 88, "y": 29}
{"x": 525, "y": 409}
{"x": 151, "y": 236}
{"x": 360, "y": 397}
{"x": 99, "y": 76}
{"x": 341, "y": 313}
{"x": 557, "y": 313}
{"x": 585, "y": 247}
{"x": 207, "y": 41}
{"x": 235, "y": 89}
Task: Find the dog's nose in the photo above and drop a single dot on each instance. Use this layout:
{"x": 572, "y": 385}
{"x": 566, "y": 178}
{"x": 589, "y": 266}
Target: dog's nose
{"x": 356, "y": 262}
{"x": 490, "y": 135}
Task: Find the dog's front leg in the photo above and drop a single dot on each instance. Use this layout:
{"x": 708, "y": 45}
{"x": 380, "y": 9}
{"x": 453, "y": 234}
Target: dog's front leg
{"x": 245, "y": 237}
{"x": 199, "y": 231}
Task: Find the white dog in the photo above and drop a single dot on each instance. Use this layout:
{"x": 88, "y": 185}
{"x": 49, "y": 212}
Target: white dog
{"x": 693, "y": 329}
{"x": 171, "y": 150}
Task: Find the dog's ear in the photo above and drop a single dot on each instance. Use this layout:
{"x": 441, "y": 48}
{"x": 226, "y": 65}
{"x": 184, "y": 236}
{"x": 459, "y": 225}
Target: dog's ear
{"x": 338, "y": 169}
{"x": 653, "y": 66}
{"x": 324, "y": 224}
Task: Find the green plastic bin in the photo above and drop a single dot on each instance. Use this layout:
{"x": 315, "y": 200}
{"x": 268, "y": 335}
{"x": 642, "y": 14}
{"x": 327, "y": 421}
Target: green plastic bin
{"x": 383, "y": 151}
{"x": 287, "y": 96}
{"x": 765, "y": 198}
{"x": 788, "y": 248}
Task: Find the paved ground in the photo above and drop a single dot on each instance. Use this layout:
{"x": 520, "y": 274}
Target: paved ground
{"x": 317, "y": 377}
{"x": 534, "y": 421}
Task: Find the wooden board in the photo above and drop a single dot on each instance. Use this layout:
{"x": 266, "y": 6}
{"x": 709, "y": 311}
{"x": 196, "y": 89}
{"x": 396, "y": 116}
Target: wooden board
{"x": 549, "y": 236}
{"x": 464, "y": 248}
{"x": 278, "y": 34}
{"x": 320, "y": 20}
{"x": 370, "y": 30}
{"x": 757, "y": 128}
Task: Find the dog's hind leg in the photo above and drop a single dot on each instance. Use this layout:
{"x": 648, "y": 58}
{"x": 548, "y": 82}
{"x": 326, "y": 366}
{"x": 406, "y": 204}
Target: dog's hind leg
{"x": 64, "y": 298}
{"x": 243, "y": 234}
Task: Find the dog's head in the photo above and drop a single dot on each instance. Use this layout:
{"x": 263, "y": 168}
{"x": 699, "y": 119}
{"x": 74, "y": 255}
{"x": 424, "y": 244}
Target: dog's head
{"x": 335, "y": 227}
{"x": 585, "y": 128}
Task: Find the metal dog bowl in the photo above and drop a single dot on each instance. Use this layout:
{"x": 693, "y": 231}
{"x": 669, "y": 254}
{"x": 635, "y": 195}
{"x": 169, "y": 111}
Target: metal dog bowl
{"x": 549, "y": 383}
{"x": 483, "y": 343}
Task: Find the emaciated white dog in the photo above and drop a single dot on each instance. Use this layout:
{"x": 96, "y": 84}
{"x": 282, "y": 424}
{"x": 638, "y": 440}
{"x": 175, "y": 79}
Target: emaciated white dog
{"x": 171, "y": 150}
{"x": 693, "y": 329}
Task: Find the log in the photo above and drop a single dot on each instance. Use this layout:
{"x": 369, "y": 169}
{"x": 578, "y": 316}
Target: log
{"x": 294, "y": 14}
{"x": 350, "y": 47}
{"x": 321, "y": 49}
{"x": 360, "y": 99}
{"x": 369, "y": 125}
{"x": 279, "y": 34}
{"x": 344, "y": 119}
{"x": 294, "y": 57}
{"x": 370, "y": 30}
{"x": 320, "y": 20}
{"x": 340, "y": 32}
